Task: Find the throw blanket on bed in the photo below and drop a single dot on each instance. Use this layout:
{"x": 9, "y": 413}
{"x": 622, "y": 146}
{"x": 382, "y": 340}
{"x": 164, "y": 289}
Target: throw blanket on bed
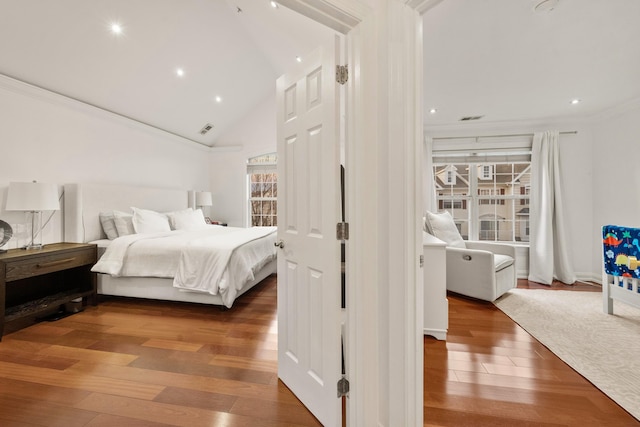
{"x": 203, "y": 261}
{"x": 112, "y": 261}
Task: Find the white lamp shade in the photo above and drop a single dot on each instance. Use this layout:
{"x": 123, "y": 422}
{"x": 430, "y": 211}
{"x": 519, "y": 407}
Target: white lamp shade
{"x": 203, "y": 198}
{"x": 32, "y": 196}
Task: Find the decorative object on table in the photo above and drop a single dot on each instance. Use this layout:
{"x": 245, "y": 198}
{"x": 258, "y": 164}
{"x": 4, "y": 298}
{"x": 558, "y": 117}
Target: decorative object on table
{"x": 33, "y": 198}
{"x": 203, "y": 198}
{"x": 5, "y": 234}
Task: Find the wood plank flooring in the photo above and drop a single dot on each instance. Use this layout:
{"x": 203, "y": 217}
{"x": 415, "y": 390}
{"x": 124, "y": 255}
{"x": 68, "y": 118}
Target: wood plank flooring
{"x": 490, "y": 372}
{"x": 149, "y": 363}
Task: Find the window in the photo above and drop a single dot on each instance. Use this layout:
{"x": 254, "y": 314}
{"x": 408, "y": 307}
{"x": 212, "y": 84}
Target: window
{"x": 488, "y": 229}
{"x": 488, "y": 202}
{"x": 524, "y": 190}
{"x": 486, "y": 196}
{"x": 262, "y": 178}
{"x": 485, "y": 172}
{"x": 452, "y": 204}
{"x": 451, "y": 177}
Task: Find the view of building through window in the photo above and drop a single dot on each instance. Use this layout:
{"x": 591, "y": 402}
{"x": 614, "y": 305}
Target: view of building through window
{"x": 487, "y": 201}
{"x": 263, "y": 190}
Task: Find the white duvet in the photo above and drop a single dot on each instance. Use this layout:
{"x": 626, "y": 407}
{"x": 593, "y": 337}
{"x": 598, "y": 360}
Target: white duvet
{"x": 215, "y": 260}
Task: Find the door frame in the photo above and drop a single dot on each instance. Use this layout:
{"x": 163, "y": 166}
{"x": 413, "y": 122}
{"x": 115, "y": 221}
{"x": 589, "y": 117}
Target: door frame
{"x": 384, "y": 277}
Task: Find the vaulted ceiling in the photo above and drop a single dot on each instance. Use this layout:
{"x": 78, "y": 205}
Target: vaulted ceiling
{"x": 498, "y": 59}
{"x": 231, "y": 49}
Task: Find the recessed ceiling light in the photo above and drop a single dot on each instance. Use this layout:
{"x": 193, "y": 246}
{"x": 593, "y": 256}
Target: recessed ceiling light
{"x": 575, "y": 101}
{"x": 218, "y": 99}
{"x": 433, "y": 111}
{"x": 274, "y": 5}
{"x": 180, "y": 72}
{"x": 116, "y": 28}
{"x": 298, "y": 59}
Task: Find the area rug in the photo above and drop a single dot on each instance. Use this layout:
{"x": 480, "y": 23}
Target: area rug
{"x": 605, "y": 349}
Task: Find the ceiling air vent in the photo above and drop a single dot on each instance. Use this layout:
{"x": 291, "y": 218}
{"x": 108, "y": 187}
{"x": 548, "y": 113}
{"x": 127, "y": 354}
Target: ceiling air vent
{"x": 467, "y": 118}
{"x": 206, "y": 128}
{"x": 545, "y": 6}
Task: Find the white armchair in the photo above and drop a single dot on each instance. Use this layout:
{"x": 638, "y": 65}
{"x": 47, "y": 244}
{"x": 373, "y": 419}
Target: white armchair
{"x": 483, "y": 270}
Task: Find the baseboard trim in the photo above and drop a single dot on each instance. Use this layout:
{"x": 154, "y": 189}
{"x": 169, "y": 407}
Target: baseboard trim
{"x": 439, "y": 334}
{"x": 589, "y": 277}
{"x": 580, "y": 276}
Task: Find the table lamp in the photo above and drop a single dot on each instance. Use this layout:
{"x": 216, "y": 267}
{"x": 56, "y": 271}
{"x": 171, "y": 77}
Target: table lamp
{"x": 203, "y": 198}
{"x": 33, "y": 198}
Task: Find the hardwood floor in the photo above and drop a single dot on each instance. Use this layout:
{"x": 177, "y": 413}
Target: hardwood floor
{"x": 149, "y": 363}
{"x": 490, "y": 372}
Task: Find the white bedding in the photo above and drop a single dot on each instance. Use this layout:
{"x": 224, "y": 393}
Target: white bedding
{"x": 216, "y": 260}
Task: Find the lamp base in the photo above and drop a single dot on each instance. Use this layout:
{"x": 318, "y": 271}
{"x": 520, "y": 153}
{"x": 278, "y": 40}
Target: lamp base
{"x": 34, "y": 228}
{"x": 33, "y": 247}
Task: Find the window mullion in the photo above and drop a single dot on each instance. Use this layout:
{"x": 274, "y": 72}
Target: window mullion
{"x": 474, "y": 217}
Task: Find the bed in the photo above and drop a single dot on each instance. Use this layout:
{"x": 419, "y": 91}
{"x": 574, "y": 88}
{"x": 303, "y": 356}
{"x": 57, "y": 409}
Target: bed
{"x": 621, "y": 272}
{"x": 83, "y": 204}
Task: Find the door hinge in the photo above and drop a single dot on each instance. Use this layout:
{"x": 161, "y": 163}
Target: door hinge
{"x": 421, "y": 261}
{"x": 343, "y": 387}
{"x": 342, "y": 231}
{"x": 342, "y": 74}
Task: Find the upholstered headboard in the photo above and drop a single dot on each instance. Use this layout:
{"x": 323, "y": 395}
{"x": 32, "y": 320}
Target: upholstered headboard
{"x": 84, "y": 202}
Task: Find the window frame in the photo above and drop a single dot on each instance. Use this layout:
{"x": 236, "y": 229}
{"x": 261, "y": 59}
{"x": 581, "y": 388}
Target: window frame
{"x": 265, "y": 164}
{"x": 471, "y": 199}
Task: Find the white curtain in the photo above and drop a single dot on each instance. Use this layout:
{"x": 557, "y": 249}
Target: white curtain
{"x": 548, "y": 254}
{"x": 428, "y": 181}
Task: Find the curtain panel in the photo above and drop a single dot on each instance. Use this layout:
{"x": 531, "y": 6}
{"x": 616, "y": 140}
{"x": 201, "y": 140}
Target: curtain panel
{"x": 548, "y": 246}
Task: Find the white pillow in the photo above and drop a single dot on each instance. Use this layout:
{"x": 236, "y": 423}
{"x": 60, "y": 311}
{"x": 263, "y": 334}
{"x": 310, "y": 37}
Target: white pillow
{"x": 172, "y": 215}
{"x": 444, "y": 228}
{"x": 108, "y": 224}
{"x": 146, "y": 221}
{"x": 124, "y": 223}
{"x": 187, "y": 219}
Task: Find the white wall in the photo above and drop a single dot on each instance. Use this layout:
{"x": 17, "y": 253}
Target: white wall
{"x": 253, "y": 136}
{"x": 49, "y": 138}
{"x": 616, "y": 175}
{"x": 576, "y": 159}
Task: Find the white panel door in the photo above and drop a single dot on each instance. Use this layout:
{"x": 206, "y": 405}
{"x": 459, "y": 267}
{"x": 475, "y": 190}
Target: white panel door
{"x": 309, "y": 354}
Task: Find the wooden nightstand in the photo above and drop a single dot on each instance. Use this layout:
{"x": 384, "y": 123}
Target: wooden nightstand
{"x": 36, "y": 283}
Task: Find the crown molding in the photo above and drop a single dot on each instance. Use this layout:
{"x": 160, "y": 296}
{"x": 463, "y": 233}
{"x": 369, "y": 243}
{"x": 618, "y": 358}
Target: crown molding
{"x": 422, "y": 6}
{"x": 20, "y": 87}
{"x": 226, "y": 148}
{"x": 616, "y": 111}
{"x": 340, "y": 15}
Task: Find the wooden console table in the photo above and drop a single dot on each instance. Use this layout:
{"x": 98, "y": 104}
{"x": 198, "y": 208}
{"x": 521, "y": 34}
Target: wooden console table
{"x": 36, "y": 283}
